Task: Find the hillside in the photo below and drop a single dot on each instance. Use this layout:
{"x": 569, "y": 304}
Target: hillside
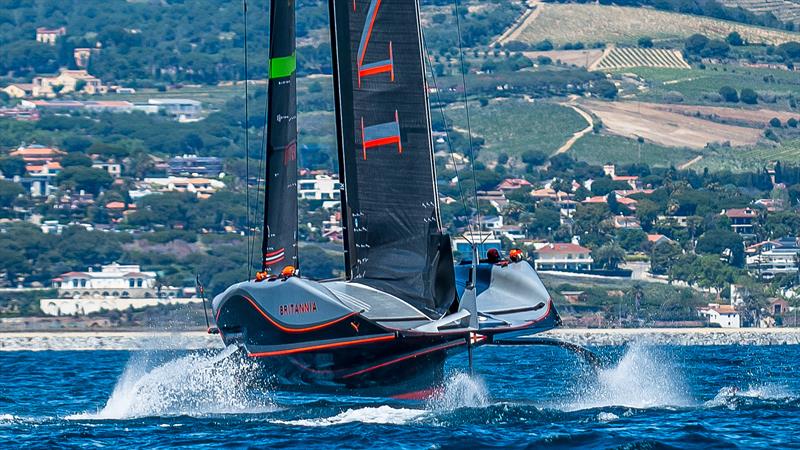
{"x": 590, "y": 23}
{"x": 784, "y": 10}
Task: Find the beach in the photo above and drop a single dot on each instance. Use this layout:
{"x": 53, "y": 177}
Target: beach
{"x": 195, "y": 340}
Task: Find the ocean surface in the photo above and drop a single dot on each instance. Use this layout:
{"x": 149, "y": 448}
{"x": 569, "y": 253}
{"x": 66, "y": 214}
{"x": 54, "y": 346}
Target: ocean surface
{"x": 647, "y": 397}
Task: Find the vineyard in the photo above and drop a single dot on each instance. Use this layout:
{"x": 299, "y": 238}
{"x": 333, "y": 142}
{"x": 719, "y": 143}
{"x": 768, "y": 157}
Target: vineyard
{"x": 783, "y": 10}
{"x": 589, "y": 23}
{"x": 621, "y": 58}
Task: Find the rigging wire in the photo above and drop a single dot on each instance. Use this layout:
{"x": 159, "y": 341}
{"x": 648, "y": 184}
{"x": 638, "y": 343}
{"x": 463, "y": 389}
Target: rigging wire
{"x": 247, "y": 145}
{"x": 446, "y": 125}
{"x": 261, "y": 199}
{"x": 466, "y": 112}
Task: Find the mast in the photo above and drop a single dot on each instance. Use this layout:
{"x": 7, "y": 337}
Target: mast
{"x": 279, "y": 240}
{"x": 394, "y": 233}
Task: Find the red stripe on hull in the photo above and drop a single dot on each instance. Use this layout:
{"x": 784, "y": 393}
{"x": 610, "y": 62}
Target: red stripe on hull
{"x": 321, "y": 346}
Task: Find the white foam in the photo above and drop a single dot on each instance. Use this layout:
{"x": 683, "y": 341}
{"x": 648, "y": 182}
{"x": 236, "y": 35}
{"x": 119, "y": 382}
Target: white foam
{"x": 460, "y": 391}
{"x": 194, "y": 385}
{"x": 377, "y": 415}
{"x": 643, "y": 378}
{"x": 603, "y": 416}
{"x": 6, "y": 418}
{"x": 729, "y": 396}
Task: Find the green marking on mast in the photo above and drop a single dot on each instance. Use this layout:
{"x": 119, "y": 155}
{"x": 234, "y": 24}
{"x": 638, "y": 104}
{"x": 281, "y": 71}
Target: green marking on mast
{"x": 282, "y": 67}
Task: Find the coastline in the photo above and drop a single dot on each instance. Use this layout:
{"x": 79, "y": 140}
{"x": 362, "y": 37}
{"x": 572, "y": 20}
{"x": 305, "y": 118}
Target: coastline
{"x": 197, "y": 340}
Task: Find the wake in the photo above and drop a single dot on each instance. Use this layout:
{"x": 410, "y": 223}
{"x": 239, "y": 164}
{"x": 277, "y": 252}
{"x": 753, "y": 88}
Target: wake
{"x": 193, "y": 385}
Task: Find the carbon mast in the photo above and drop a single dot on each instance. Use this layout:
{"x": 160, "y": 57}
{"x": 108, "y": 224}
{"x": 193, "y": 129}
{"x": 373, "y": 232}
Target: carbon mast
{"x": 279, "y": 241}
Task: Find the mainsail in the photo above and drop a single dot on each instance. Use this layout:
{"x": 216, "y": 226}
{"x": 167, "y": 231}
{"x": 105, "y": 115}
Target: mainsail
{"x": 279, "y": 244}
{"x": 391, "y": 213}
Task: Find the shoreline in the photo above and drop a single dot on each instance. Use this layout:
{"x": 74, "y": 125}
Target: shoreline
{"x": 198, "y": 340}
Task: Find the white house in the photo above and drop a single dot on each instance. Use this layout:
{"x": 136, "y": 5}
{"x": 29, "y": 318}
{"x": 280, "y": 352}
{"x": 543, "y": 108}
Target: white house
{"x": 560, "y": 256}
{"x": 321, "y": 187}
{"x": 725, "y": 316}
{"x": 185, "y": 110}
{"x": 114, "y": 287}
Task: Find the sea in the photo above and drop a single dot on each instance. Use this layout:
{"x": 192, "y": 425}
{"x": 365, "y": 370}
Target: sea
{"x": 644, "y": 396}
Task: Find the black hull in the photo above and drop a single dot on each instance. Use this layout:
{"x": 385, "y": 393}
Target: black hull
{"x": 405, "y": 368}
{"x": 304, "y": 335}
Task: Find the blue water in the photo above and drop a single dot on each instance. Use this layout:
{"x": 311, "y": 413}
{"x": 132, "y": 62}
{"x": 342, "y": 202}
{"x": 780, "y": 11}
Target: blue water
{"x": 648, "y": 397}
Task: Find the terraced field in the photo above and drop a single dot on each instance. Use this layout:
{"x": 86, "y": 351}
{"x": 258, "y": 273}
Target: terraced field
{"x": 783, "y": 10}
{"x": 623, "y": 57}
{"x": 563, "y": 23}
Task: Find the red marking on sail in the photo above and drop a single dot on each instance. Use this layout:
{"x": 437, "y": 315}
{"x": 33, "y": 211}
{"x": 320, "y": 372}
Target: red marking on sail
{"x": 290, "y": 153}
{"x": 271, "y": 258}
{"x": 385, "y": 66}
{"x": 381, "y": 134}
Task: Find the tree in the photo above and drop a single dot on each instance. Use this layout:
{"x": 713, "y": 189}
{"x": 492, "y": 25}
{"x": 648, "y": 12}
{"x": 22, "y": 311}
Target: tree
{"x": 545, "y": 221}
{"x": 605, "y": 185}
{"x": 735, "y": 39}
{"x": 605, "y": 89}
{"x": 9, "y": 191}
{"x": 663, "y": 256}
{"x": 729, "y": 94}
{"x": 695, "y": 44}
{"x": 792, "y": 122}
{"x": 87, "y": 179}
{"x": 748, "y": 96}
{"x": 76, "y": 160}
{"x": 12, "y": 166}
{"x": 775, "y": 122}
{"x": 76, "y": 143}
{"x": 609, "y": 256}
{"x": 631, "y": 240}
{"x": 718, "y": 241}
{"x": 646, "y": 42}
{"x": 534, "y": 157}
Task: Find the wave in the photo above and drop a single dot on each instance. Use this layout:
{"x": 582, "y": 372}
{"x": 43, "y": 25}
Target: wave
{"x": 383, "y": 414}
{"x": 643, "y": 378}
{"x": 733, "y": 397}
{"x": 194, "y": 385}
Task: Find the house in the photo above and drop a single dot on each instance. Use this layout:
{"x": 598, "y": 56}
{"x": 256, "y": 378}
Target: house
{"x": 203, "y": 187}
{"x": 82, "y": 56}
{"x": 67, "y": 81}
{"x": 38, "y": 154}
{"x": 185, "y": 110}
{"x": 491, "y": 222}
{"x": 628, "y": 223}
{"x": 19, "y": 90}
{"x": 771, "y": 204}
{"x": 778, "y": 307}
{"x": 111, "y": 166}
{"x": 574, "y": 296}
{"x": 724, "y": 316}
{"x": 193, "y": 165}
{"x": 20, "y": 114}
{"x": 49, "y": 35}
{"x": 768, "y": 259}
{"x": 116, "y": 287}
{"x": 510, "y": 184}
{"x": 610, "y": 170}
{"x": 321, "y": 187}
{"x": 657, "y": 239}
{"x": 567, "y": 257}
{"x": 742, "y": 220}
{"x": 627, "y": 202}
{"x": 495, "y": 198}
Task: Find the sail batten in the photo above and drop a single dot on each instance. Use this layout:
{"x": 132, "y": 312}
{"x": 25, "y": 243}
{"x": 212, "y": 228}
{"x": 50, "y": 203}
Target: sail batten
{"x": 279, "y": 240}
{"x": 394, "y": 240}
